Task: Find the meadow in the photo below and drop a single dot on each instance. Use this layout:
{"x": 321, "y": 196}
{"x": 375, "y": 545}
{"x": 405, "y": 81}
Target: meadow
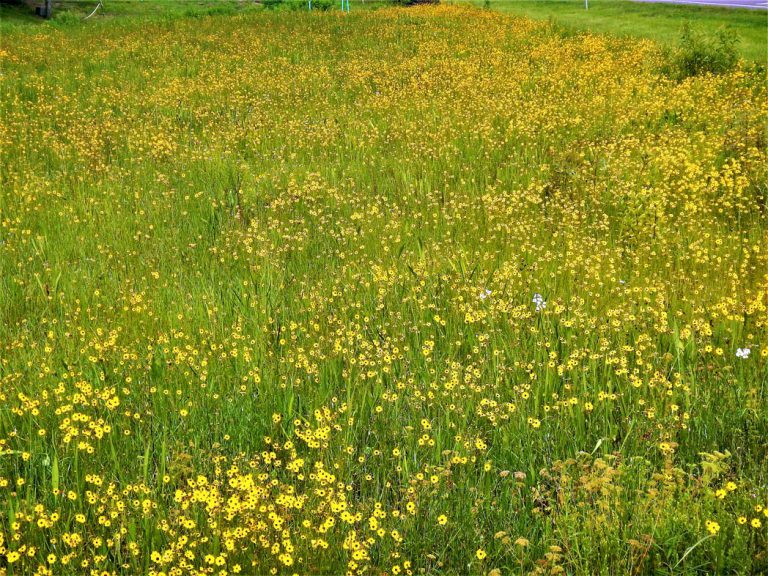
{"x": 660, "y": 22}
{"x": 408, "y": 291}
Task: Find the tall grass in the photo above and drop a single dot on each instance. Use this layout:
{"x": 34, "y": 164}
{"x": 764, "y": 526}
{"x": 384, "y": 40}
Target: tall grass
{"x": 421, "y": 291}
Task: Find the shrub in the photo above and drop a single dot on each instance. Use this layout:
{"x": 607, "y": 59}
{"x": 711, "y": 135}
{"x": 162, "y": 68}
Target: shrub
{"x": 65, "y": 18}
{"x": 416, "y": 2}
{"x": 704, "y": 53}
{"x": 303, "y": 5}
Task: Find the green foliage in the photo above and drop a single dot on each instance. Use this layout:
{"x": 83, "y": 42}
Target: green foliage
{"x": 299, "y": 5}
{"x": 322, "y": 5}
{"x": 702, "y": 52}
{"x": 214, "y": 230}
{"x": 658, "y": 22}
{"x": 415, "y": 2}
{"x": 65, "y": 18}
{"x": 222, "y": 9}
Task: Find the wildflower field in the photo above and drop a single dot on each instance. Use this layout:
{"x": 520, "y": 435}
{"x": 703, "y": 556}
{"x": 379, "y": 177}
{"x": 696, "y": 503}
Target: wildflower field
{"x": 405, "y": 291}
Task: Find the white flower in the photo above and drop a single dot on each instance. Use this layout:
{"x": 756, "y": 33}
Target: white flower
{"x": 538, "y": 299}
{"x": 742, "y": 353}
{"x": 484, "y": 294}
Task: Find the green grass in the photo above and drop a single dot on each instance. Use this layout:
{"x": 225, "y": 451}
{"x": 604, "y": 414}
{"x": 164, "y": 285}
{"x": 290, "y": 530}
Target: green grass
{"x": 662, "y": 23}
{"x": 19, "y": 14}
{"x": 402, "y": 292}
{"x": 12, "y": 15}
{"x": 15, "y": 14}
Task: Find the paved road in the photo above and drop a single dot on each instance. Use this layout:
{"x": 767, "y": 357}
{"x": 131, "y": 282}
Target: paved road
{"x": 753, "y": 4}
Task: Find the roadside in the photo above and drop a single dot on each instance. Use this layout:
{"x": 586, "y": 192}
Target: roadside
{"x": 662, "y": 22}
{"x": 751, "y": 4}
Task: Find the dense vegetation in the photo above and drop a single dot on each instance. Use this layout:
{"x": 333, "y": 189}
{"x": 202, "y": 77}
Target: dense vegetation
{"x": 664, "y": 23}
{"x": 413, "y": 291}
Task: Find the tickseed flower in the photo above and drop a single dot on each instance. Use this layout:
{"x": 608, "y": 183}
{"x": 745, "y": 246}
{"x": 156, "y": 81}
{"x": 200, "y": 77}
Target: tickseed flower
{"x": 522, "y": 542}
{"x": 328, "y": 284}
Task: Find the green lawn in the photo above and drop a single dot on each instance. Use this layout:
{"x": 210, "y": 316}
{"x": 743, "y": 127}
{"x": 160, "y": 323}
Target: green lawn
{"x": 659, "y": 22}
{"x": 15, "y": 13}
